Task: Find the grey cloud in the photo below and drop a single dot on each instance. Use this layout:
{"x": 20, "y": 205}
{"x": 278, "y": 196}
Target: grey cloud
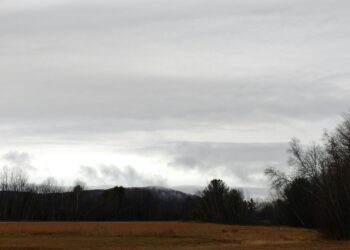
{"x": 242, "y": 160}
{"x": 148, "y": 105}
{"x": 19, "y": 159}
{"x": 88, "y": 171}
{"x": 114, "y": 175}
{"x": 88, "y": 62}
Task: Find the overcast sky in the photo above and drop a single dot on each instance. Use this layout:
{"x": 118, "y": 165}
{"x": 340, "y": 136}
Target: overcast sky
{"x": 167, "y": 92}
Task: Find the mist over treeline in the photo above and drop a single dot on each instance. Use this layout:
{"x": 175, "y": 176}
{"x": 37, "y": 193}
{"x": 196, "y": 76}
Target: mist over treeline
{"x": 314, "y": 193}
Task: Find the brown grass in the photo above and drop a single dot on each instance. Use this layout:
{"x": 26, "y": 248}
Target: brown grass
{"x": 158, "y": 235}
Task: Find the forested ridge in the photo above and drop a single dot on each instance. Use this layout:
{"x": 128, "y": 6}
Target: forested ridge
{"x": 115, "y": 204}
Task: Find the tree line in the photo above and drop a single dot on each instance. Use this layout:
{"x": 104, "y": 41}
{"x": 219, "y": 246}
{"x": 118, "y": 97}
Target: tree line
{"x": 22, "y": 201}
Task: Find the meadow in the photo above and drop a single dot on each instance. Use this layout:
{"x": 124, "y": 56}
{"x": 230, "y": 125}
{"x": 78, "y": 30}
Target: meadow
{"x": 158, "y": 235}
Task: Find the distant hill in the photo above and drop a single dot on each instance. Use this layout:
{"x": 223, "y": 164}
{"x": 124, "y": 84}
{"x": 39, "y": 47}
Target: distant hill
{"x": 118, "y": 203}
{"x": 157, "y": 191}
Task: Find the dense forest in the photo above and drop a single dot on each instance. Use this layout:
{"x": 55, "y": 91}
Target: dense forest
{"x": 49, "y": 202}
{"x": 315, "y": 193}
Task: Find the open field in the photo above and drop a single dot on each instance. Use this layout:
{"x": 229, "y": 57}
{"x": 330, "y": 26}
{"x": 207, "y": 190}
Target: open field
{"x": 158, "y": 235}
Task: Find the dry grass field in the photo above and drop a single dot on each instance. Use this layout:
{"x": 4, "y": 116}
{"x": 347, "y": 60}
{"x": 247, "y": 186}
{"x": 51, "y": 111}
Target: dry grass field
{"x": 158, "y": 235}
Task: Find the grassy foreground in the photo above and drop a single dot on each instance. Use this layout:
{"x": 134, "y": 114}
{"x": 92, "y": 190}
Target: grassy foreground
{"x": 158, "y": 235}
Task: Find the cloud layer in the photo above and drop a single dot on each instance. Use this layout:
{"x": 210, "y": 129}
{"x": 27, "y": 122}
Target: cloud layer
{"x": 212, "y": 86}
{"x": 114, "y": 175}
{"x": 227, "y": 62}
{"x": 17, "y": 159}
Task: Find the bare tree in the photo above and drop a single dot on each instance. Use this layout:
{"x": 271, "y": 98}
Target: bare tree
{"x": 50, "y": 185}
{"x": 13, "y": 179}
{"x": 4, "y": 179}
{"x": 327, "y": 168}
